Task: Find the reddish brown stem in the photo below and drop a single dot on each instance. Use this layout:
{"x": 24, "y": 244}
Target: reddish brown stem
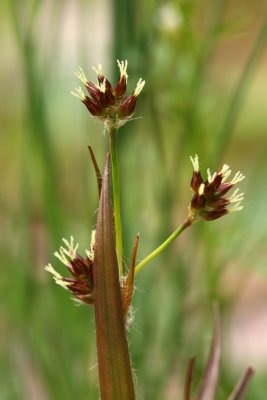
{"x": 188, "y": 379}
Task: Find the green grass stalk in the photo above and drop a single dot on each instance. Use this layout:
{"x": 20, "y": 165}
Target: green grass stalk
{"x": 163, "y": 246}
{"x": 116, "y": 196}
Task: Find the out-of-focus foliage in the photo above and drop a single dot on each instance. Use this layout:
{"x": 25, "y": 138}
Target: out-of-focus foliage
{"x": 205, "y": 69}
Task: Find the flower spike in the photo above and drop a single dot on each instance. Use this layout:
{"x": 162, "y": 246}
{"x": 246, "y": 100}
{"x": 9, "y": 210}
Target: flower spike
{"x": 106, "y": 103}
{"x": 209, "y": 201}
{"x": 81, "y": 282}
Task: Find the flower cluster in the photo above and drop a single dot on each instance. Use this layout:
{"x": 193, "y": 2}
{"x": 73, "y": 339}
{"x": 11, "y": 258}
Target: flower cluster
{"x": 209, "y": 201}
{"x": 108, "y": 104}
{"x": 81, "y": 284}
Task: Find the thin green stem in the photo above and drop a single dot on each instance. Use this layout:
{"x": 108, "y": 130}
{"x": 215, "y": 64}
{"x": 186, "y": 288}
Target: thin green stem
{"x": 116, "y": 196}
{"x": 159, "y": 249}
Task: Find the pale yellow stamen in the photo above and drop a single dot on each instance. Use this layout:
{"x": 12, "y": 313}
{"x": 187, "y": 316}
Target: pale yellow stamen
{"x": 201, "y": 189}
{"x": 57, "y": 277}
{"x": 237, "y": 178}
{"x": 225, "y": 172}
{"x": 236, "y": 197}
{"x": 61, "y": 256}
{"x": 70, "y": 251}
{"x": 195, "y": 163}
{"x": 79, "y": 93}
{"x": 81, "y": 75}
{"x": 52, "y": 271}
{"x": 139, "y": 87}
{"x": 236, "y": 207}
{"x": 224, "y": 169}
{"x": 123, "y": 68}
{"x": 102, "y": 86}
{"x": 90, "y": 253}
{"x": 98, "y": 70}
{"x": 211, "y": 177}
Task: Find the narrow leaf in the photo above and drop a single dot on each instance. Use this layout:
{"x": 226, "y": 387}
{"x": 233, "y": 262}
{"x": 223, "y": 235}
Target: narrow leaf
{"x": 209, "y": 381}
{"x": 241, "y": 388}
{"x": 97, "y": 171}
{"x": 115, "y": 375}
{"x": 127, "y": 290}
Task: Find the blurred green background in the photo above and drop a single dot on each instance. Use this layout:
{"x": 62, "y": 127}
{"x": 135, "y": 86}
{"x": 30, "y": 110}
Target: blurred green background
{"x": 205, "y": 65}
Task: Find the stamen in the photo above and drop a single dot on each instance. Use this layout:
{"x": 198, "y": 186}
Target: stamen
{"x": 211, "y": 177}
{"x": 236, "y": 197}
{"x": 61, "y": 256}
{"x": 139, "y": 87}
{"x": 237, "y": 178}
{"x": 57, "y": 277}
{"x": 102, "y": 86}
{"x": 98, "y": 70}
{"x": 195, "y": 163}
{"x": 236, "y": 207}
{"x": 52, "y": 271}
{"x": 201, "y": 189}
{"x": 90, "y": 253}
{"x": 81, "y": 75}
{"x": 123, "y": 68}
{"x": 224, "y": 169}
{"x": 79, "y": 93}
{"x": 70, "y": 251}
{"x": 225, "y": 172}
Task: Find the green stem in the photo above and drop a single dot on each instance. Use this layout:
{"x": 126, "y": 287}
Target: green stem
{"x": 116, "y": 196}
{"x": 159, "y": 249}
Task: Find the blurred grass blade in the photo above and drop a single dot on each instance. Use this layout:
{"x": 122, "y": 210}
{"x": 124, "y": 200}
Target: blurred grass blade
{"x": 209, "y": 381}
{"x": 240, "y": 390}
{"x": 188, "y": 379}
{"x": 115, "y": 375}
{"x": 235, "y": 103}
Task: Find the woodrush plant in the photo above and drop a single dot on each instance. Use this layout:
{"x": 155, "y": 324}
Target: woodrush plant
{"x": 102, "y": 278}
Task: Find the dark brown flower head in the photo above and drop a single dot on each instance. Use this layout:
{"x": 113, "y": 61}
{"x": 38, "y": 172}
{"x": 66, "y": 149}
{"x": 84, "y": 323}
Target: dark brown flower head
{"x": 108, "y": 104}
{"x": 209, "y": 201}
{"x": 81, "y": 283}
